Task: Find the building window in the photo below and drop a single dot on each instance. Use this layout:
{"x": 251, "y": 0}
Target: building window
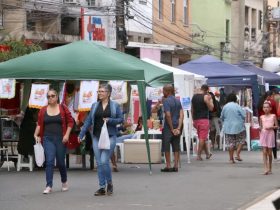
{"x": 91, "y": 2}
{"x": 1, "y": 18}
{"x": 253, "y": 34}
{"x": 185, "y": 12}
{"x": 143, "y": 2}
{"x": 227, "y": 31}
{"x": 160, "y": 9}
{"x": 246, "y": 16}
{"x": 173, "y": 11}
{"x": 260, "y": 20}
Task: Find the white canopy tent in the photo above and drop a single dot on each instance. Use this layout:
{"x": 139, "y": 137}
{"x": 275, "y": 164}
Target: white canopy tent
{"x": 185, "y": 83}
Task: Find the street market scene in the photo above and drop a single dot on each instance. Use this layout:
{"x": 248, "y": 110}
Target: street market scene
{"x": 144, "y": 104}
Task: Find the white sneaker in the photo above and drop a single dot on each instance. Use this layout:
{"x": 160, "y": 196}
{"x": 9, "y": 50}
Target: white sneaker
{"x": 48, "y": 190}
{"x": 64, "y": 187}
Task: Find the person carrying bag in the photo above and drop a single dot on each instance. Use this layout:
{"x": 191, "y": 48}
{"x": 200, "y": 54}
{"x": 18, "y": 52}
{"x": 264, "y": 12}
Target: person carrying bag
{"x": 104, "y": 140}
{"x": 104, "y": 113}
{"x": 53, "y": 129}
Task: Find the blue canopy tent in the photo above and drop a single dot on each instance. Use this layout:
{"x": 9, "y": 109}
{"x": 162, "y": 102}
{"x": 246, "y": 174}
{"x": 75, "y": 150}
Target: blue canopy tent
{"x": 269, "y": 77}
{"x": 220, "y": 73}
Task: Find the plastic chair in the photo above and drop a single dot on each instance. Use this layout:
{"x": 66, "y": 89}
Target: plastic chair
{"x": 222, "y": 143}
{"x": 7, "y": 157}
{"x": 21, "y": 164}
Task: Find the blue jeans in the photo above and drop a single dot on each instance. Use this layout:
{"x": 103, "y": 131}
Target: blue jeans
{"x": 102, "y": 157}
{"x": 54, "y": 148}
{"x": 120, "y": 139}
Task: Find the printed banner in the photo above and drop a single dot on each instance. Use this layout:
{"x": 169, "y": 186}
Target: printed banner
{"x": 100, "y": 28}
{"x": 7, "y": 88}
{"x": 38, "y": 95}
{"x": 62, "y": 92}
{"x": 154, "y": 94}
{"x": 88, "y": 95}
{"x": 119, "y": 91}
{"x": 186, "y": 103}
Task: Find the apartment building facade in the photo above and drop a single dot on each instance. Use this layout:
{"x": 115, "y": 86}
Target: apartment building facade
{"x": 247, "y": 31}
{"x": 48, "y": 22}
{"x": 171, "y": 20}
{"x": 211, "y": 28}
{"x": 56, "y": 22}
{"x": 274, "y": 27}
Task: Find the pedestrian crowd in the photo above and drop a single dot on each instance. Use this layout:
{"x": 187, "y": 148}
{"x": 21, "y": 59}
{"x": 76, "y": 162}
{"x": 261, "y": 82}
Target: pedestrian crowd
{"x": 212, "y": 117}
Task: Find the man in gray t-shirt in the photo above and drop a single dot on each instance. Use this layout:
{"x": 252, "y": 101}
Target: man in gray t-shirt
{"x": 172, "y": 127}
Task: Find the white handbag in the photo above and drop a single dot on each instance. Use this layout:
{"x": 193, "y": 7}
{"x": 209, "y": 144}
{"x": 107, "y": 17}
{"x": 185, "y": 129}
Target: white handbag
{"x": 39, "y": 154}
{"x": 104, "y": 140}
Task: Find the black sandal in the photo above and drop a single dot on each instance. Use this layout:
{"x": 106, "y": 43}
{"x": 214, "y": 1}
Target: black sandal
{"x": 175, "y": 169}
{"x": 166, "y": 169}
{"x": 238, "y": 158}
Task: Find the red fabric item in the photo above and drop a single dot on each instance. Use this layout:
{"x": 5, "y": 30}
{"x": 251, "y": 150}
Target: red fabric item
{"x": 13, "y": 104}
{"x": 136, "y": 107}
{"x": 254, "y": 133}
{"x": 73, "y": 142}
{"x": 66, "y": 117}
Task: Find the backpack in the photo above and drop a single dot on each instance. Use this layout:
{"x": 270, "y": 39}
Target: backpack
{"x": 218, "y": 108}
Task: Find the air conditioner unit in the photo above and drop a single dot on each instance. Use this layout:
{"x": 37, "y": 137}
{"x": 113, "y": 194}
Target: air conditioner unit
{"x": 71, "y": 1}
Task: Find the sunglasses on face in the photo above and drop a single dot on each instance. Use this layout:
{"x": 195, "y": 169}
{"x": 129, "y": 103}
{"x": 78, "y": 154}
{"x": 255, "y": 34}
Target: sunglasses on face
{"x": 51, "y": 96}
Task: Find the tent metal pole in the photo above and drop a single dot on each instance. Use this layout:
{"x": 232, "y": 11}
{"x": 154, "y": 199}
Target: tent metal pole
{"x": 142, "y": 95}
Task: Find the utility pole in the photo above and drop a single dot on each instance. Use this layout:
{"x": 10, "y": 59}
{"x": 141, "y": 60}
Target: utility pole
{"x": 266, "y": 37}
{"x": 237, "y": 32}
{"x": 120, "y": 26}
{"x": 274, "y": 39}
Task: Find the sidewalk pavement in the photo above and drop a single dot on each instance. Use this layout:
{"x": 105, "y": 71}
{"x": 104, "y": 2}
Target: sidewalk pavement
{"x": 265, "y": 203}
{"x": 201, "y": 185}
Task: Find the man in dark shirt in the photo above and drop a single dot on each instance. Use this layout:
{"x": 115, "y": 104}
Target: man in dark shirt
{"x": 201, "y": 105}
{"x": 172, "y": 127}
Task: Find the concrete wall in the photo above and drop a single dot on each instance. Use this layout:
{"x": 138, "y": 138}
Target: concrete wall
{"x": 252, "y": 43}
{"x": 209, "y": 24}
{"x": 237, "y": 30}
{"x": 142, "y": 13}
{"x": 276, "y": 39}
{"x": 14, "y": 23}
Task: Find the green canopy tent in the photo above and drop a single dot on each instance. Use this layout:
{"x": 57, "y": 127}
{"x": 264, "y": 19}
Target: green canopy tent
{"x": 85, "y": 60}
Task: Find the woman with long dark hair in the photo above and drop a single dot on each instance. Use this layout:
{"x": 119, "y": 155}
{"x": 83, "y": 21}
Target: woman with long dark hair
{"x": 53, "y": 129}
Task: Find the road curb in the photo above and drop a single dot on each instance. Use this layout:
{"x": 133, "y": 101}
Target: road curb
{"x": 263, "y": 202}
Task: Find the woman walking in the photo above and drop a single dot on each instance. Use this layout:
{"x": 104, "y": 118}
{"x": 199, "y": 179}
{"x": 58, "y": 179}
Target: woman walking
{"x": 105, "y": 110}
{"x": 53, "y": 129}
{"x": 233, "y": 117}
{"x": 268, "y": 123}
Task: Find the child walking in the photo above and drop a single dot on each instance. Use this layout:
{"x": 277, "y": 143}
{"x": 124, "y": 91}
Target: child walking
{"x": 268, "y": 122}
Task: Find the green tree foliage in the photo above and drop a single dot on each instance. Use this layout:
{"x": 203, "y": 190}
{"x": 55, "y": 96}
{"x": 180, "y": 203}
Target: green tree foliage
{"x": 17, "y": 48}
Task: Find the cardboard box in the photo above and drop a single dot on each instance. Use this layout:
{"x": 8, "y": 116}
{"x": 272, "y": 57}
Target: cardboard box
{"x": 135, "y": 151}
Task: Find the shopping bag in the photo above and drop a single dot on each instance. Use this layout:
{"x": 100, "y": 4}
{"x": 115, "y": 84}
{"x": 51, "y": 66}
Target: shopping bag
{"x": 39, "y": 154}
{"x": 104, "y": 140}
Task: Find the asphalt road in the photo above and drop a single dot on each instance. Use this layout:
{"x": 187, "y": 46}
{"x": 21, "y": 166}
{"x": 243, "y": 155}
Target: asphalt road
{"x": 208, "y": 185}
